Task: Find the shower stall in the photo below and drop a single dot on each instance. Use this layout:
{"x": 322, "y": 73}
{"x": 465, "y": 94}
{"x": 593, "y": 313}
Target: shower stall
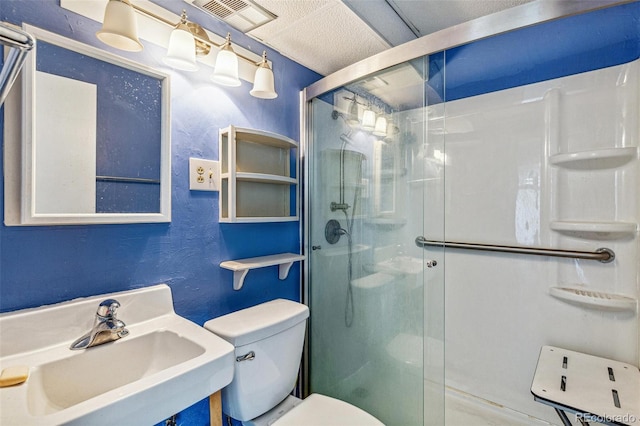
{"x": 375, "y": 295}
{"x": 515, "y": 134}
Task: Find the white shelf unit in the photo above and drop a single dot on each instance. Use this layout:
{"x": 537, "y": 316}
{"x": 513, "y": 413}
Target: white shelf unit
{"x": 606, "y": 161}
{"x": 259, "y": 176}
{"x": 241, "y": 267}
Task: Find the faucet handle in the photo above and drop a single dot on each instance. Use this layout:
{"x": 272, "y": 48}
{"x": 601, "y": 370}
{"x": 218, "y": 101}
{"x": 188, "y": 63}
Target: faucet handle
{"x": 108, "y": 308}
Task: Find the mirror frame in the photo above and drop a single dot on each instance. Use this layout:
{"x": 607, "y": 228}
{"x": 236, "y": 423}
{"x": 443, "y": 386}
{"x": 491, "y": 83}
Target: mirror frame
{"x": 19, "y": 150}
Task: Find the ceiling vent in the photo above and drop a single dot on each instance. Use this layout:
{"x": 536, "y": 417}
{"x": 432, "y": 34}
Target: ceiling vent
{"x": 243, "y": 15}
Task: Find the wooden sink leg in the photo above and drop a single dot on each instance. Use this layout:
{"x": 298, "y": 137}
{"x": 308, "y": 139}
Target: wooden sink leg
{"x": 215, "y": 409}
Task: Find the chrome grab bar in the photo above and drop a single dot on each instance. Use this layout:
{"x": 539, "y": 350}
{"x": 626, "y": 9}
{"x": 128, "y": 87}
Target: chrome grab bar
{"x": 604, "y": 255}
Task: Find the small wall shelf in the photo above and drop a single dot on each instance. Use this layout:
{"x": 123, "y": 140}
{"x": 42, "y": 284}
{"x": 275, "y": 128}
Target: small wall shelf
{"x": 261, "y": 177}
{"x": 595, "y": 159}
{"x": 258, "y": 179}
{"x": 241, "y": 267}
{"x": 595, "y": 230}
{"x": 594, "y": 299}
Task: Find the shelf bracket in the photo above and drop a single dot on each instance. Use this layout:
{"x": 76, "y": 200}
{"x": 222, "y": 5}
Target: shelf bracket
{"x": 283, "y": 270}
{"x": 238, "y": 278}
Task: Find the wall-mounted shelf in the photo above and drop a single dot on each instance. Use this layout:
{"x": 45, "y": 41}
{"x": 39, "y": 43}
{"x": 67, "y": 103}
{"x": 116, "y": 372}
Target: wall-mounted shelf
{"x": 595, "y": 230}
{"x": 594, "y": 299}
{"x": 261, "y": 177}
{"x": 258, "y": 180}
{"x": 595, "y": 159}
{"x": 241, "y": 267}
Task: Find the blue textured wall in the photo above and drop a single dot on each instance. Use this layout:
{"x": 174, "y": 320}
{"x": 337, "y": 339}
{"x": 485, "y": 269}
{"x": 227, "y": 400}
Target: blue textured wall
{"x": 43, "y": 265}
{"x": 577, "y": 44}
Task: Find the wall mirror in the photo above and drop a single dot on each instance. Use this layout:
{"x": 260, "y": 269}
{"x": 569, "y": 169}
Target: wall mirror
{"x": 389, "y": 184}
{"x": 87, "y": 138}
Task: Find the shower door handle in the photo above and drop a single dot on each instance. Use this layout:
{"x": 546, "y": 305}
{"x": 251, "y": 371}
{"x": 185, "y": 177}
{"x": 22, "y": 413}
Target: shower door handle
{"x": 421, "y": 242}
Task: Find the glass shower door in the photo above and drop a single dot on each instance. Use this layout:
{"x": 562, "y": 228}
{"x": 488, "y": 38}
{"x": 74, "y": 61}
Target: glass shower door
{"x": 375, "y": 163}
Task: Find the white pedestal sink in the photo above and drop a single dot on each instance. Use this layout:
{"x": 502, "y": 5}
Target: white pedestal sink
{"x": 164, "y": 365}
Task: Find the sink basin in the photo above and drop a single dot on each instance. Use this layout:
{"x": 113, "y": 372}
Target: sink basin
{"x": 69, "y": 381}
{"x": 164, "y": 365}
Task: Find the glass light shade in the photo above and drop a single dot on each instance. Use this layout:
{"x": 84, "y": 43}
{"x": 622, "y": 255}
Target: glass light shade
{"x": 182, "y": 50}
{"x": 368, "y": 120}
{"x": 352, "y": 119}
{"x": 226, "y": 70}
{"x": 380, "y": 128}
{"x": 120, "y": 27}
{"x": 263, "y": 84}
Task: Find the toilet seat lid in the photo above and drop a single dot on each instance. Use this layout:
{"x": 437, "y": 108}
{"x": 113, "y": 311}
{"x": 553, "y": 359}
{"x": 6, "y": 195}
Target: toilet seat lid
{"x": 320, "y": 410}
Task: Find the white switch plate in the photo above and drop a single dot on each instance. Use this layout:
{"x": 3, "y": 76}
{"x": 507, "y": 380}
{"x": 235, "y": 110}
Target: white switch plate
{"x": 204, "y": 175}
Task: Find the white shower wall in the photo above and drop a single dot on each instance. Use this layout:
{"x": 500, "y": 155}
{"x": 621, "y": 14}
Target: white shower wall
{"x": 501, "y": 187}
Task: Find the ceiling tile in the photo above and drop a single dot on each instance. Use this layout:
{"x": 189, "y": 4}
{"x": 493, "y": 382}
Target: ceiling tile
{"x": 328, "y": 39}
{"x": 288, "y": 12}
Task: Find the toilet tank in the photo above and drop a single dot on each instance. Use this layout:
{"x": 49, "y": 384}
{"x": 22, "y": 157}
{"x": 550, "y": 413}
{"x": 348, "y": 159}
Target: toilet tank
{"x": 274, "y": 332}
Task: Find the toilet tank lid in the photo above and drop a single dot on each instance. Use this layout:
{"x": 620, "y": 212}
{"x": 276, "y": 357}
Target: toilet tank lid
{"x": 258, "y": 322}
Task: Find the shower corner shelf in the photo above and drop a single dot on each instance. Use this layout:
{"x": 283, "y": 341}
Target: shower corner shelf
{"x": 594, "y": 299}
{"x": 595, "y": 230}
{"x": 595, "y": 159}
{"x": 258, "y": 179}
{"x": 241, "y": 267}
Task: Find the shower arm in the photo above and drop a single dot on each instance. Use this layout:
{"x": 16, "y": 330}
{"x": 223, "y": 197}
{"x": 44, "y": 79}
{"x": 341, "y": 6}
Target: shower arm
{"x": 604, "y": 255}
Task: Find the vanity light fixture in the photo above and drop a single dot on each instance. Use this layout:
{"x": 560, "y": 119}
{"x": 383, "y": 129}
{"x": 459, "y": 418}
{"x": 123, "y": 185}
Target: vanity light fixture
{"x": 188, "y": 40}
{"x": 120, "y": 26}
{"x": 181, "y": 53}
{"x": 380, "y": 128}
{"x": 352, "y": 118}
{"x": 226, "y": 70}
{"x": 368, "y": 120}
{"x": 263, "y": 85}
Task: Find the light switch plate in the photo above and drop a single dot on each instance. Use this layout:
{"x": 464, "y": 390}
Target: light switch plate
{"x": 204, "y": 175}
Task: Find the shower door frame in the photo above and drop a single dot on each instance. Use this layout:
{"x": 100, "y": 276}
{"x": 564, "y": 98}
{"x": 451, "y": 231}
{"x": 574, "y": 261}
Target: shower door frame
{"x": 516, "y": 18}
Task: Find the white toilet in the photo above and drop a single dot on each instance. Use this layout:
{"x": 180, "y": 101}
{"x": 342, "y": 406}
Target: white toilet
{"x": 268, "y": 340}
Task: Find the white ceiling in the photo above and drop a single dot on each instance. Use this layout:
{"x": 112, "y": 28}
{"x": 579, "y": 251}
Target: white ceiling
{"x": 328, "y": 35}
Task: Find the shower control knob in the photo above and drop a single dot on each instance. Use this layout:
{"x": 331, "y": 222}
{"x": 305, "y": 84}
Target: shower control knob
{"x": 316, "y": 247}
{"x": 431, "y": 263}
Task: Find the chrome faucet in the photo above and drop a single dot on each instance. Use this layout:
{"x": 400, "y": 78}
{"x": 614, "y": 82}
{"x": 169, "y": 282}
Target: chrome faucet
{"x": 106, "y": 327}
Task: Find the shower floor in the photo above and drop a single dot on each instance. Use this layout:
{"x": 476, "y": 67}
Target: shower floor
{"x": 465, "y": 410}
{"x": 371, "y": 393}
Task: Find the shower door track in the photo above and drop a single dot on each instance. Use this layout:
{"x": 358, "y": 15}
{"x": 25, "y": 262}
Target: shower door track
{"x": 604, "y": 255}
{"x": 507, "y": 20}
